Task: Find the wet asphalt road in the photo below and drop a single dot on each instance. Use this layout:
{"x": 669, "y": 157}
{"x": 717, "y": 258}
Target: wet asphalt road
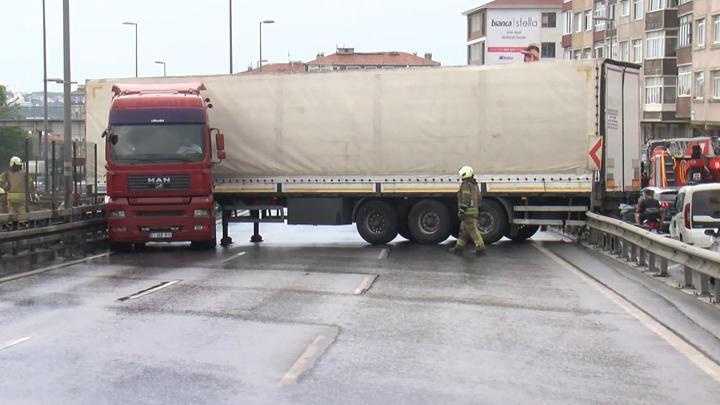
{"x": 314, "y": 315}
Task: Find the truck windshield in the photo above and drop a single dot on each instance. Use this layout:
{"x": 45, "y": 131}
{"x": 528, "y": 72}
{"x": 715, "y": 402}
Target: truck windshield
{"x": 157, "y": 143}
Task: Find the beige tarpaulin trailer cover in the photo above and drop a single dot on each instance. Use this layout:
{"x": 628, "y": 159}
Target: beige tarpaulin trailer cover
{"x": 515, "y": 119}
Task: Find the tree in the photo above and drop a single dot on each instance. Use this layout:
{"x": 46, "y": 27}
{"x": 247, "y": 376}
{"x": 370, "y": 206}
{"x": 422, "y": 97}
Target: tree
{"x": 7, "y": 111}
{"x": 12, "y": 143}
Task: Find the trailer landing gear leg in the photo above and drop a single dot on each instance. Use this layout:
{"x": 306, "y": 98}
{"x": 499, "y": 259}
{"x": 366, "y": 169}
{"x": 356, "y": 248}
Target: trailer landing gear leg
{"x": 256, "y": 238}
{"x": 226, "y": 240}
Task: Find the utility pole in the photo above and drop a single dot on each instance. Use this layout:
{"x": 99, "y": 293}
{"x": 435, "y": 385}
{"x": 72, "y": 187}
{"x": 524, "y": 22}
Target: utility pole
{"x": 231, "y": 46}
{"x": 44, "y": 139}
{"x": 67, "y": 131}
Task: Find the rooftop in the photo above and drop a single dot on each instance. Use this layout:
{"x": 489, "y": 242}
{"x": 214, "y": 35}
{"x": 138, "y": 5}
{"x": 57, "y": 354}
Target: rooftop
{"x": 288, "y": 67}
{"x": 517, "y": 4}
{"x": 348, "y": 57}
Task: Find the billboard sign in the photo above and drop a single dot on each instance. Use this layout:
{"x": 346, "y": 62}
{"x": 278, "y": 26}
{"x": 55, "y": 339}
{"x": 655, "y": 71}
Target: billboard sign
{"x": 509, "y": 32}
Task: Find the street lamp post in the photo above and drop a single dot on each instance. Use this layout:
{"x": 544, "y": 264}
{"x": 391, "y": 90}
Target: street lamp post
{"x": 261, "y": 24}
{"x": 159, "y": 62}
{"x": 45, "y": 104}
{"x": 136, "y": 44}
{"x": 67, "y": 123}
{"x": 230, "y": 14}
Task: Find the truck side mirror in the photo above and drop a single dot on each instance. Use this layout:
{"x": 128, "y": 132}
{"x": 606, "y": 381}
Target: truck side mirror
{"x": 220, "y": 144}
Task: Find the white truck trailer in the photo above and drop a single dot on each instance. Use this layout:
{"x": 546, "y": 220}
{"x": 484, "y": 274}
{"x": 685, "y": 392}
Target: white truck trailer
{"x": 381, "y": 148}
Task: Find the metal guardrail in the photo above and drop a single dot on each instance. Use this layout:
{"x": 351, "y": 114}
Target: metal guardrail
{"x": 656, "y": 251}
{"x": 41, "y": 236}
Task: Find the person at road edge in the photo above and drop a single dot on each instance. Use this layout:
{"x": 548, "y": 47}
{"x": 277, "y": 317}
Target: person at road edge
{"x": 468, "y": 202}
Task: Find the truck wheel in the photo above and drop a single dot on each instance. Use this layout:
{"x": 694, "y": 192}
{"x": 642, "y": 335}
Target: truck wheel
{"x": 429, "y": 222}
{"x": 523, "y": 233}
{"x": 492, "y": 221}
{"x": 204, "y": 244}
{"x": 120, "y": 247}
{"x": 377, "y": 222}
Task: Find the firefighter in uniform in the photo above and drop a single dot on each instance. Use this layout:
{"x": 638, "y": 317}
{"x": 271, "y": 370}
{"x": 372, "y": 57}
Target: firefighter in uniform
{"x": 13, "y": 181}
{"x": 468, "y": 202}
{"x": 3, "y": 201}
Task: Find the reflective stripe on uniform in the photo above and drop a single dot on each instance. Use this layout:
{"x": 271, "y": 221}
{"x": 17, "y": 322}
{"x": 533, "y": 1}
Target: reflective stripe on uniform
{"x": 16, "y": 197}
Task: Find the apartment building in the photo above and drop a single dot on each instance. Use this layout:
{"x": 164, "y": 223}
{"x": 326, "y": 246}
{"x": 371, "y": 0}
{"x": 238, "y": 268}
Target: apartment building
{"x": 497, "y": 32}
{"x": 653, "y": 33}
{"x": 700, "y": 68}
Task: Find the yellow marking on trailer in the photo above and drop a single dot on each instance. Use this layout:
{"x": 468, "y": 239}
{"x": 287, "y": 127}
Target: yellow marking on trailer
{"x": 231, "y": 189}
{"x": 324, "y": 189}
{"x": 518, "y": 189}
{"x": 414, "y": 189}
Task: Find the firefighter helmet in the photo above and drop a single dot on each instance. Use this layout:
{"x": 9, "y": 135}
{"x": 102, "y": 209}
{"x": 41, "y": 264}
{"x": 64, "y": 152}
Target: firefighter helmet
{"x": 465, "y": 172}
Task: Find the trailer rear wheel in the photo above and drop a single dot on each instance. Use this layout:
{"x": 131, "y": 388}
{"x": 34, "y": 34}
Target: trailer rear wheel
{"x": 429, "y": 222}
{"x": 524, "y": 232}
{"x": 377, "y": 222}
{"x": 492, "y": 221}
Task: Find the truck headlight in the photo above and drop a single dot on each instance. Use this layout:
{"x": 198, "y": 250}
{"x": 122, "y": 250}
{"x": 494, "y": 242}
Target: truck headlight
{"x": 117, "y": 214}
{"x": 201, "y": 213}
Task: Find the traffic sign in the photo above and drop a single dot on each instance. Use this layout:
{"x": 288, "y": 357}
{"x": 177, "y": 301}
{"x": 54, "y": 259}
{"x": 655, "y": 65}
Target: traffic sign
{"x": 595, "y": 153}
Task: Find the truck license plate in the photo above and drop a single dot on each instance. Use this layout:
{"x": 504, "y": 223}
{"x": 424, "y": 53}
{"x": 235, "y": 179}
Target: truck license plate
{"x": 160, "y": 235}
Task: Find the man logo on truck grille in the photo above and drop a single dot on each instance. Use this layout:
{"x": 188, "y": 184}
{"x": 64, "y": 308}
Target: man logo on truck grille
{"x": 158, "y": 182}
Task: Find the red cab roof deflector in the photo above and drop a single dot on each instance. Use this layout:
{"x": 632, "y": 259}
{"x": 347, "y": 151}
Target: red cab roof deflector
{"x": 184, "y": 88}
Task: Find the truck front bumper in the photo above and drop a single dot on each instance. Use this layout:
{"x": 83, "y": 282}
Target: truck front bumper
{"x": 139, "y": 223}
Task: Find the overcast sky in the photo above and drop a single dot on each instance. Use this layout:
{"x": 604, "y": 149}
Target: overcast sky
{"x": 191, "y": 36}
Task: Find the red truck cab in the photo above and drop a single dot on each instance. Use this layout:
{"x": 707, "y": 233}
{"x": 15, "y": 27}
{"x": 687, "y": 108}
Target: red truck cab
{"x": 158, "y": 153}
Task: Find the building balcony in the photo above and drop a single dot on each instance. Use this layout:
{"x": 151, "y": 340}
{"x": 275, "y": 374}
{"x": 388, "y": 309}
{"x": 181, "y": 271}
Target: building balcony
{"x": 656, "y": 20}
{"x": 684, "y": 55}
{"x": 683, "y": 105}
{"x": 685, "y": 8}
{"x": 660, "y": 67}
{"x": 566, "y": 40}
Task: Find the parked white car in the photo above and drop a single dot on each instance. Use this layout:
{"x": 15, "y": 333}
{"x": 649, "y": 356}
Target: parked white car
{"x": 697, "y": 208}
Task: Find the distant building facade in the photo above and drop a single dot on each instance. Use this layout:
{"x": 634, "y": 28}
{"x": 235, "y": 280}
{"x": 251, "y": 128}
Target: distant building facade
{"x": 497, "y": 32}
{"x": 348, "y": 59}
{"x": 289, "y": 67}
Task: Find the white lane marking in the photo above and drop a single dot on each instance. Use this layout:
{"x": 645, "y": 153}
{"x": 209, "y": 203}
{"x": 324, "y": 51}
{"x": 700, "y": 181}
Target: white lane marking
{"x": 233, "y": 257}
{"x": 14, "y": 342}
{"x": 384, "y": 254}
{"x": 306, "y": 360}
{"x": 695, "y": 356}
{"x": 150, "y": 290}
{"x": 365, "y": 284}
{"x": 53, "y": 267}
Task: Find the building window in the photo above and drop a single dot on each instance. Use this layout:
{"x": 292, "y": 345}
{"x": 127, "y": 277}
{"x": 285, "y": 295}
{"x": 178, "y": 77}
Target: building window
{"x": 548, "y": 20}
{"x": 475, "y": 23}
{"x": 476, "y": 53}
{"x": 600, "y": 13}
{"x": 637, "y": 10}
{"x": 625, "y": 51}
{"x": 660, "y": 44}
{"x": 547, "y": 50}
{"x": 637, "y": 50}
{"x": 715, "y": 83}
{"x": 699, "y": 86}
{"x": 716, "y": 29}
{"x": 567, "y": 26}
{"x": 587, "y": 20}
{"x": 578, "y": 22}
{"x": 684, "y": 30}
{"x": 679, "y": 2}
{"x": 656, "y": 5}
{"x": 669, "y": 90}
{"x": 599, "y": 50}
{"x": 577, "y": 54}
{"x": 613, "y": 48}
{"x": 587, "y": 53}
{"x": 700, "y": 33}
{"x": 567, "y": 53}
{"x": 624, "y": 8}
{"x": 684, "y": 81}
{"x": 660, "y": 90}
{"x": 653, "y": 90}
